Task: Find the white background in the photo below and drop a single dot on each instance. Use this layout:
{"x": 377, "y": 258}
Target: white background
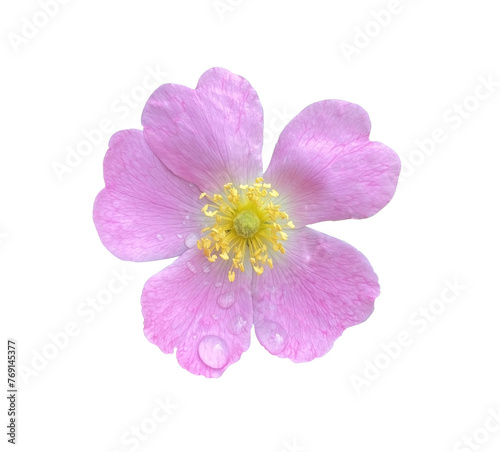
{"x": 442, "y": 227}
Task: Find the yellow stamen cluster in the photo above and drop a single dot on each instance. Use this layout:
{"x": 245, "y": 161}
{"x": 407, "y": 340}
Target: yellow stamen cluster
{"x": 246, "y": 218}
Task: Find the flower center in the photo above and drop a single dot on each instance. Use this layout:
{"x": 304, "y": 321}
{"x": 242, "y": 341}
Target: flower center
{"x": 246, "y": 224}
{"x": 246, "y": 220}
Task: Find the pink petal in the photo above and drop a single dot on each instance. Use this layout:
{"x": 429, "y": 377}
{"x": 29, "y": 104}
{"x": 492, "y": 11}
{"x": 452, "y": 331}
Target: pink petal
{"x": 193, "y": 307}
{"x": 325, "y": 167}
{"x": 211, "y": 135}
{"x": 145, "y": 212}
{"x": 317, "y": 289}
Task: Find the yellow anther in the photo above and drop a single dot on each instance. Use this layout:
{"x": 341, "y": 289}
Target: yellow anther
{"x": 283, "y": 235}
{"x": 274, "y": 193}
{"x": 270, "y": 263}
{"x": 203, "y": 195}
{"x": 259, "y": 179}
{"x": 259, "y": 270}
{"x": 231, "y": 275}
{"x": 290, "y": 225}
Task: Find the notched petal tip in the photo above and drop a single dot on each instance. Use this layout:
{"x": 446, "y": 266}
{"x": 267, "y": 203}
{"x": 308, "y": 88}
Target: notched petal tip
{"x": 190, "y": 307}
{"x": 327, "y": 168}
{"x": 210, "y": 134}
{"x": 323, "y": 287}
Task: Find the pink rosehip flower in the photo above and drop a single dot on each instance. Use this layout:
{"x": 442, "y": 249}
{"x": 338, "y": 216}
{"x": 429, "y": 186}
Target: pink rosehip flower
{"x": 191, "y": 184}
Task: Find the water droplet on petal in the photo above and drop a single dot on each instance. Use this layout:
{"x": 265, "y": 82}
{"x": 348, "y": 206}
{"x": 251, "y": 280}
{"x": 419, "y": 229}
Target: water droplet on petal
{"x": 187, "y": 217}
{"x": 179, "y": 236}
{"x": 213, "y": 351}
{"x": 272, "y": 336}
{"x": 191, "y": 240}
{"x": 225, "y": 300}
{"x": 215, "y": 316}
{"x": 207, "y": 267}
{"x": 218, "y": 284}
{"x": 191, "y": 267}
{"x": 159, "y": 237}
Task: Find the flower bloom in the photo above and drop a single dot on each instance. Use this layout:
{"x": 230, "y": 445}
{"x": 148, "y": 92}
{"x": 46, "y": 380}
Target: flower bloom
{"x": 191, "y": 184}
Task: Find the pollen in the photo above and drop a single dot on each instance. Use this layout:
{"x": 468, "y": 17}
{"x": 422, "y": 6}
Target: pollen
{"x": 246, "y": 222}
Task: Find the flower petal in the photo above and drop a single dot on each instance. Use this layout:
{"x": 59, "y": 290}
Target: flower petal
{"x": 210, "y": 135}
{"x": 317, "y": 289}
{"x": 192, "y": 306}
{"x": 325, "y": 167}
{"x": 145, "y": 212}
